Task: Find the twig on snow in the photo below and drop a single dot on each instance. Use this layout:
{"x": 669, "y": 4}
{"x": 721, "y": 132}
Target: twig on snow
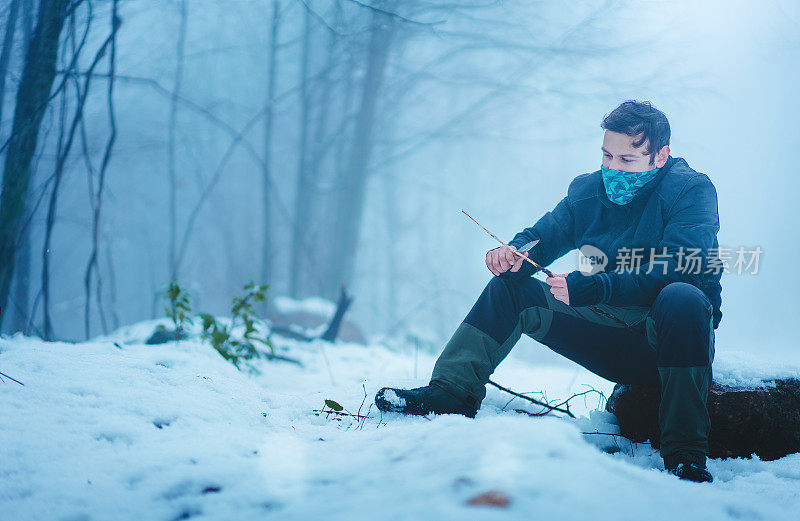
{"x": 12, "y": 379}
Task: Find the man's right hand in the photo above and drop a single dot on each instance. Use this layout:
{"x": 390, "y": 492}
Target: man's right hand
{"x": 501, "y": 259}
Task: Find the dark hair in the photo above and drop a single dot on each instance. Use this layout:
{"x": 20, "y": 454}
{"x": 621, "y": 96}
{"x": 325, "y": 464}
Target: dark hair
{"x": 635, "y": 117}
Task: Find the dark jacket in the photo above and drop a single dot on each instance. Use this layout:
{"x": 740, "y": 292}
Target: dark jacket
{"x": 676, "y": 210}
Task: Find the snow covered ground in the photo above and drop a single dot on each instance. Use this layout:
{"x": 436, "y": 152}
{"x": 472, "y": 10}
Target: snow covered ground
{"x": 168, "y": 432}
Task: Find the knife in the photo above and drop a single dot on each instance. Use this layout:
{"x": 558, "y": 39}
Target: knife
{"x": 528, "y": 246}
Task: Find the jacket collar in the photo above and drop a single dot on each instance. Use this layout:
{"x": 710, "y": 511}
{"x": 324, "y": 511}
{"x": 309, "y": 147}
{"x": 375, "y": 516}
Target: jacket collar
{"x": 643, "y": 192}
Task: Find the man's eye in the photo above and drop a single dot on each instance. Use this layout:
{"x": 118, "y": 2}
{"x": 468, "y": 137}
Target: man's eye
{"x": 627, "y": 160}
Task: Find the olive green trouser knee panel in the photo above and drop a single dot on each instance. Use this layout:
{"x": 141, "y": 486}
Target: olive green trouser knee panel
{"x": 468, "y": 369}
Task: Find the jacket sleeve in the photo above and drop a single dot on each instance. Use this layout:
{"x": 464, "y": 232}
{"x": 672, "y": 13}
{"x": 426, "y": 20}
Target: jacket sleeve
{"x": 691, "y": 228}
{"x": 555, "y": 231}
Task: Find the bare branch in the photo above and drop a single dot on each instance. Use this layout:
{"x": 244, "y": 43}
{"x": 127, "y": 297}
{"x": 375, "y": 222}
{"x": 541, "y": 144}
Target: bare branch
{"x": 320, "y": 19}
{"x": 536, "y": 402}
{"x": 394, "y": 15}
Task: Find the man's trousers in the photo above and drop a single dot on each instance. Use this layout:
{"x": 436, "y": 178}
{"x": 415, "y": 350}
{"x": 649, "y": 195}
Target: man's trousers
{"x": 672, "y": 347}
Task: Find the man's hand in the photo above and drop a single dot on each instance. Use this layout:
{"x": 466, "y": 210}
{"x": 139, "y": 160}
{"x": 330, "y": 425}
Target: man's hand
{"x": 558, "y": 287}
{"x": 500, "y": 259}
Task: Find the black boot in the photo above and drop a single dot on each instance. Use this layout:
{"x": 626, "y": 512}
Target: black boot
{"x": 687, "y": 467}
{"x": 424, "y": 400}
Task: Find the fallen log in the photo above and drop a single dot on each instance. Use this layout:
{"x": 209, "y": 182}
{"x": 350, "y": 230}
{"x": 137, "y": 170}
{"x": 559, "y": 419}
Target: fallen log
{"x": 762, "y": 420}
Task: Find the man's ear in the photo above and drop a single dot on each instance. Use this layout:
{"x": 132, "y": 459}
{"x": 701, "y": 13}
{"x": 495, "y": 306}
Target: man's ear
{"x": 662, "y": 156}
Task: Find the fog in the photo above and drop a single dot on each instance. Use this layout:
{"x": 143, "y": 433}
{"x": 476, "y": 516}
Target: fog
{"x": 489, "y": 107}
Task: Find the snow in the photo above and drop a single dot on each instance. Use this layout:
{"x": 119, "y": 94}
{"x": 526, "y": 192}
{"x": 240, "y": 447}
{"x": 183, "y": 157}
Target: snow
{"x": 393, "y": 399}
{"x": 313, "y": 305}
{"x": 131, "y": 431}
{"x": 739, "y": 369}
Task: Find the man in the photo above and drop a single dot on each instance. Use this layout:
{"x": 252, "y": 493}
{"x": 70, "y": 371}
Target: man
{"x": 650, "y": 322}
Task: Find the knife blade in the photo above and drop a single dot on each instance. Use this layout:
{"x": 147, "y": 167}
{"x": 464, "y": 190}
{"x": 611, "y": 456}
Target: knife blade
{"x": 528, "y": 246}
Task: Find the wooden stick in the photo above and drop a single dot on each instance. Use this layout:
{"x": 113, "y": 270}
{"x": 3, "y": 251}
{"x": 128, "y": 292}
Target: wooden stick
{"x": 537, "y": 402}
{"x": 545, "y": 270}
{"x": 12, "y": 379}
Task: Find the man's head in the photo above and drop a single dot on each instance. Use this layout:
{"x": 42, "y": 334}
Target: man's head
{"x": 636, "y": 138}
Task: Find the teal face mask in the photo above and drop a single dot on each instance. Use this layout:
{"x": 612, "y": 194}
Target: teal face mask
{"x": 622, "y": 186}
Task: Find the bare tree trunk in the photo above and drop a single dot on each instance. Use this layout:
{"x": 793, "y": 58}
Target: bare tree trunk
{"x": 19, "y": 299}
{"x": 173, "y": 115}
{"x": 97, "y": 203}
{"x": 5, "y": 52}
{"x": 112, "y": 290}
{"x": 27, "y": 22}
{"x": 394, "y": 232}
{"x": 272, "y": 72}
{"x": 20, "y": 291}
{"x": 319, "y": 148}
{"x": 50, "y": 220}
{"x": 302, "y": 204}
{"x": 18, "y": 307}
{"x": 21, "y": 312}
{"x": 33, "y": 94}
{"x": 343, "y": 138}
{"x": 352, "y": 192}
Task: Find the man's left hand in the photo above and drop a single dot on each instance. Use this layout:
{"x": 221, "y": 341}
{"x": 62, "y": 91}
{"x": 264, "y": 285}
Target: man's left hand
{"x": 558, "y": 287}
